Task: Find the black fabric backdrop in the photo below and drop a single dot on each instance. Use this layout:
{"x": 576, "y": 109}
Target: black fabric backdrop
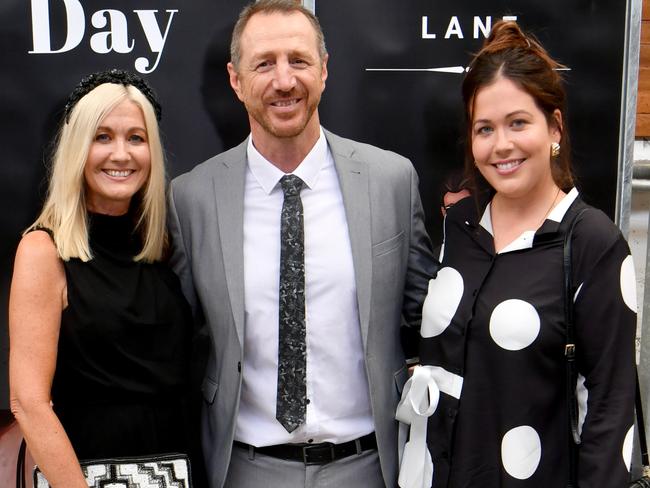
{"x": 416, "y": 113}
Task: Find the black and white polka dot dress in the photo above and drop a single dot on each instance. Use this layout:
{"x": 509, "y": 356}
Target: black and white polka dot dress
{"x": 493, "y": 325}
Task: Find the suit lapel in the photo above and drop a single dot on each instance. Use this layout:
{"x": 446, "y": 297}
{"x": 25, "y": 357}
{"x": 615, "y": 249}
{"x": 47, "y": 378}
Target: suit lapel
{"x": 353, "y": 178}
{"x": 229, "y": 182}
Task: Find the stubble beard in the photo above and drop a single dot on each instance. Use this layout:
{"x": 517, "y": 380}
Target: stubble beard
{"x": 293, "y": 130}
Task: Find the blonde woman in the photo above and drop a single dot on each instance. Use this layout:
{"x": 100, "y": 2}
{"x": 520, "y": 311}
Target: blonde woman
{"x": 99, "y": 331}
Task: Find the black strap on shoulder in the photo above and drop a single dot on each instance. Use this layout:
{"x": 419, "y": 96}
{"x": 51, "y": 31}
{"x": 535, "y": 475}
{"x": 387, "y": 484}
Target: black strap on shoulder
{"x": 20, "y": 466}
{"x": 570, "y": 354}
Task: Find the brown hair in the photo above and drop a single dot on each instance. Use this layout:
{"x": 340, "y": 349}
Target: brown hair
{"x": 271, "y": 7}
{"x": 512, "y": 54}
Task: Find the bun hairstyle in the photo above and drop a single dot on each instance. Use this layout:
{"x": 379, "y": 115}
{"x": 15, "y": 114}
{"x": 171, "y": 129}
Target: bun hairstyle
{"x": 510, "y": 53}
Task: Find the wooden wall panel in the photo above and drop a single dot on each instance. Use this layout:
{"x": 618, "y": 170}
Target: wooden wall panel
{"x": 643, "y": 100}
{"x": 645, "y": 32}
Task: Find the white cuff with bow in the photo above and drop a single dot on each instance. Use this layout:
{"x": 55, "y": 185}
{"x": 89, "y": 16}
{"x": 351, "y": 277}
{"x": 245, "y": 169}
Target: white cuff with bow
{"x": 419, "y": 400}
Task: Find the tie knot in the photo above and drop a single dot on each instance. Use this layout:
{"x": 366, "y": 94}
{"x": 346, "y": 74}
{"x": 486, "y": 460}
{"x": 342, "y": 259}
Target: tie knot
{"x": 291, "y": 185}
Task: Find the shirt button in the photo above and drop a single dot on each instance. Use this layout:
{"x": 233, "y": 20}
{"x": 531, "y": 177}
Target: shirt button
{"x": 239, "y": 366}
{"x": 307, "y": 401}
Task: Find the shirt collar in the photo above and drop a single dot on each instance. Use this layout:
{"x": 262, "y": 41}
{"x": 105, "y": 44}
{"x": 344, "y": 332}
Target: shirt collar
{"x": 268, "y": 175}
{"x": 525, "y": 240}
{"x": 557, "y": 214}
{"x": 486, "y": 219}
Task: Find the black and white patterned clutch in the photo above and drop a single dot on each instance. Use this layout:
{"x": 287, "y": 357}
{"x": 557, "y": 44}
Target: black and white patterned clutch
{"x": 161, "y": 471}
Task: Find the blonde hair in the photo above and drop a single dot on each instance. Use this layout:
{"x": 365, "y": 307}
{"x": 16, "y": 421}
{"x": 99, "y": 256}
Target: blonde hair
{"x": 65, "y": 212}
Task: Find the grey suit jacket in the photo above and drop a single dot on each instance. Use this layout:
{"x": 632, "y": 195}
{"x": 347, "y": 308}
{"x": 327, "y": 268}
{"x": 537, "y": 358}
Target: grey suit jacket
{"x": 392, "y": 264}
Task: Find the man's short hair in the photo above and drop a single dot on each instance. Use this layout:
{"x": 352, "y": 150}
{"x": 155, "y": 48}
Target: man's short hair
{"x": 271, "y": 7}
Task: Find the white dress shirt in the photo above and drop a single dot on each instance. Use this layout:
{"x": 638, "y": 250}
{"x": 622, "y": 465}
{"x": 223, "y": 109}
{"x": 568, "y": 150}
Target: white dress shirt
{"x": 337, "y": 386}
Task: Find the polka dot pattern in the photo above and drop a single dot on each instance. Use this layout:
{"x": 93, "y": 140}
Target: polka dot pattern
{"x": 514, "y": 324}
{"x": 628, "y": 443}
{"x": 443, "y": 298}
{"x": 582, "y": 395}
{"x": 504, "y": 342}
{"x": 628, "y": 283}
{"x": 521, "y": 452}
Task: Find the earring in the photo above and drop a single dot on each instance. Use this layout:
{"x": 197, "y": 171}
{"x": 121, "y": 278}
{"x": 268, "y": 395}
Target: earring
{"x": 555, "y": 149}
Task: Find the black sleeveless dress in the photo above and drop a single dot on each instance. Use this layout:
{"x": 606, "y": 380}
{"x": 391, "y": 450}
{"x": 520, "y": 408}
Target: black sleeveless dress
{"x": 122, "y": 373}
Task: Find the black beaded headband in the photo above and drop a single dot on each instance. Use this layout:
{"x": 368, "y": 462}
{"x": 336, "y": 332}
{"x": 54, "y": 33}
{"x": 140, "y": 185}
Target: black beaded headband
{"x": 116, "y": 76}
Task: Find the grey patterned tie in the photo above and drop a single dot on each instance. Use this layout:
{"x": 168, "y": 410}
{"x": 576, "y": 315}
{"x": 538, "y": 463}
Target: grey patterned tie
{"x": 292, "y": 350}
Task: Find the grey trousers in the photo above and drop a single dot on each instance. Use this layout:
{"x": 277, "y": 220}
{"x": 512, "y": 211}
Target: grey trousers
{"x": 356, "y": 471}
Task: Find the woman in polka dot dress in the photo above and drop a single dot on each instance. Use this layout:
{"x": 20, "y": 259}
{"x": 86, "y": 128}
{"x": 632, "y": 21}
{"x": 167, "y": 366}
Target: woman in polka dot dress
{"x": 493, "y": 322}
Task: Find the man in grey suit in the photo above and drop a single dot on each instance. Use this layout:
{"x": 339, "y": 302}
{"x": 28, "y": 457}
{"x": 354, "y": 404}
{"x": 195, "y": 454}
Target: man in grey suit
{"x": 303, "y": 253}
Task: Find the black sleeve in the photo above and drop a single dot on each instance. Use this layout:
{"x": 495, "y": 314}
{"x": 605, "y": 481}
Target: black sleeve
{"x": 605, "y": 318}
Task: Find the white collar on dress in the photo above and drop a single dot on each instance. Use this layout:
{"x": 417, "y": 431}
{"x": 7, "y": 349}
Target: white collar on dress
{"x": 525, "y": 240}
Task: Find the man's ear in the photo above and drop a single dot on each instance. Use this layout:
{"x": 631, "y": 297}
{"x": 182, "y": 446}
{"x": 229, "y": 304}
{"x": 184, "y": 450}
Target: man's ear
{"x": 233, "y": 76}
{"x": 323, "y": 74}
